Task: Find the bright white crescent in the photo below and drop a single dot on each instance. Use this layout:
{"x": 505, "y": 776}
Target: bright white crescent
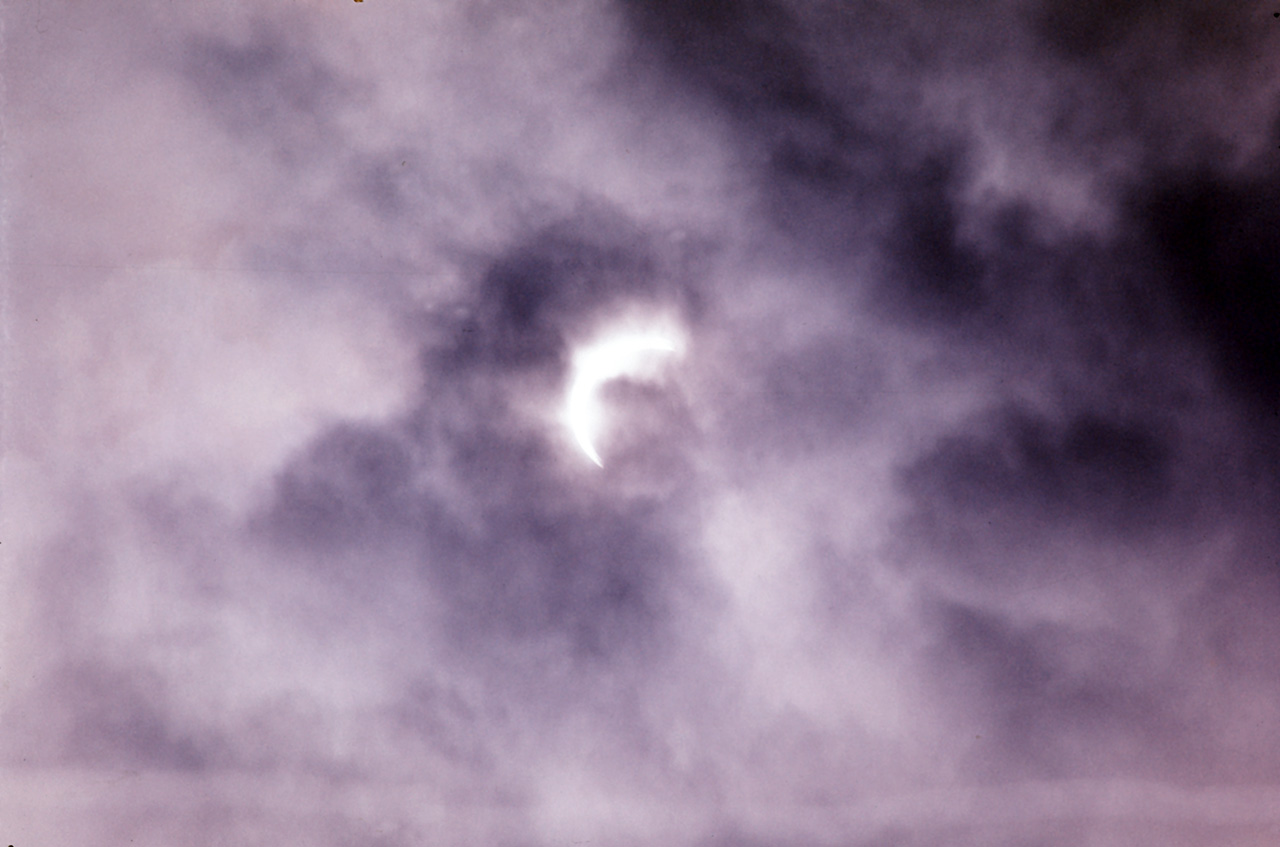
{"x": 637, "y": 356}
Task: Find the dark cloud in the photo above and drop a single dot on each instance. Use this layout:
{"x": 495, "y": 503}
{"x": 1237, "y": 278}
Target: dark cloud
{"x": 354, "y": 486}
{"x": 751, "y": 58}
{"x": 271, "y": 86}
{"x": 1196, "y": 30}
{"x": 1211, "y": 239}
{"x": 937, "y": 270}
{"x": 528, "y": 298}
{"x": 1026, "y": 471}
{"x": 105, "y": 717}
{"x": 812, "y": 159}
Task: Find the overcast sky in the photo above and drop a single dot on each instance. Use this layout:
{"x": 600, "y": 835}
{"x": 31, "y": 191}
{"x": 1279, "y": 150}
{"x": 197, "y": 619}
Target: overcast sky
{"x": 954, "y": 522}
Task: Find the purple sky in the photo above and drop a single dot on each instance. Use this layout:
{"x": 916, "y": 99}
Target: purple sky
{"x": 955, "y": 524}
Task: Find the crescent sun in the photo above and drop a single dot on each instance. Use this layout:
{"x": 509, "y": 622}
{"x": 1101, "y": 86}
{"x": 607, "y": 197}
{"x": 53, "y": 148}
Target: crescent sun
{"x": 633, "y": 356}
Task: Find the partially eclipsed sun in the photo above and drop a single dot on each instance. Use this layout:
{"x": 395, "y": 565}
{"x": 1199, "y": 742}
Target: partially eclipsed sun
{"x": 633, "y": 355}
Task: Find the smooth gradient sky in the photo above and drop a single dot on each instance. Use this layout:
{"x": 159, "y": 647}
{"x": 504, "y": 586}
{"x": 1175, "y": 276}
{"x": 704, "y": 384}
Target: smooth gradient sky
{"x": 956, "y": 523}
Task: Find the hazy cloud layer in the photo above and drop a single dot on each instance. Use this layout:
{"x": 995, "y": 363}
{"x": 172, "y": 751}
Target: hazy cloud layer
{"x": 955, "y": 523}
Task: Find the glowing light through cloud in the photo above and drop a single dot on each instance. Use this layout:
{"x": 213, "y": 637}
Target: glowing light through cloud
{"x": 636, "y": 355}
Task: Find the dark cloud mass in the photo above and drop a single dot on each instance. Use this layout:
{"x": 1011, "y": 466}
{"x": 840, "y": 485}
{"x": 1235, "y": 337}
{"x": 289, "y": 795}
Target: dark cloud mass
{"x": 1214, "y": 238}
{"x": 943, "y": 513}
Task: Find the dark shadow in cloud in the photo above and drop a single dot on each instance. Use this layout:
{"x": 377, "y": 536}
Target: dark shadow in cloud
{"x": 1006, "y": 277}
{"x": 1152, "y": 78}
{"x": 1024, "y": 470}
{"x": 119, "y": 723}
{"x": 271, "y": 87}
{"x": 353, "y": 487}
{"x": 550, "y": 283}
{"x": 937, "y": 273}
{"x": 750, "y": 60}
{"x": 999, "y": 506}
{"x": 1081, "y": 30}
{"x": 844, "y": 171}
{"x": 1196, "y": 29}
{"x": 745, "y": 52}
{"x": 1217, "y": 243}
{"x": 108, "y": 717}
{"x": 830, "y": 162}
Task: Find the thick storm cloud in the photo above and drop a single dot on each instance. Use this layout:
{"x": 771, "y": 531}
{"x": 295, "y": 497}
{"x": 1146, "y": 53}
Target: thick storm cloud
{"x": 942, "y": 511}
